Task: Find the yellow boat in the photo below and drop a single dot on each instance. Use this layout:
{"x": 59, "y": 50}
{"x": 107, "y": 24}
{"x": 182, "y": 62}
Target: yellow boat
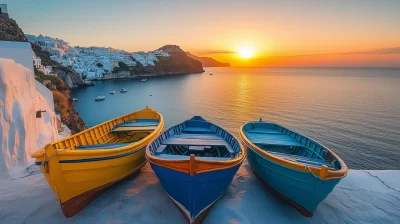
{"x": 81, "y": 166}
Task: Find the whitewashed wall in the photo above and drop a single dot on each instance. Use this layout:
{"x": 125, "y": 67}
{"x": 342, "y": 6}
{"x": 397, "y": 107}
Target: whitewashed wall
{"x": 21, "y": 133}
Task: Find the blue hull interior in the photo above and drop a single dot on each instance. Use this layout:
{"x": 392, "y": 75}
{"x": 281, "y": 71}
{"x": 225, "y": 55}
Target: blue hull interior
{"x": 203, "y": 141}
{"x": 195, "y": 192}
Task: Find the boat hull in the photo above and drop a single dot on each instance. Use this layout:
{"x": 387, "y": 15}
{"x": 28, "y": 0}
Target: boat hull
{"x": 76, "y": 176}
{"x": 194, "y": 195}
{"x": 78, "y": 183}
{"x": 76, "y": 204}
{"x": 303, "y": 190}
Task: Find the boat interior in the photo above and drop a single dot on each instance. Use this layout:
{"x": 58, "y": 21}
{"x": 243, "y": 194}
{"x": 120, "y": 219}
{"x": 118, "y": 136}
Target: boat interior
{"x": 288, "y": 145}
{"x": 196, "y": 136}
{"x": 110, "y": 135}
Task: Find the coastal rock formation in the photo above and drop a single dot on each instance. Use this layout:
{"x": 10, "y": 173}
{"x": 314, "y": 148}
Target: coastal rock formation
{"x": 68, "y": 81}
{"x": 10, "y": 31}
{"x": 67, "y": 74}
{"x": 73, "y": 121}
{"x": 176, "y": 63}
{"x": 21, "y": 132}
{"x": 63, "y": 103}
{"x": 208, "y": 62}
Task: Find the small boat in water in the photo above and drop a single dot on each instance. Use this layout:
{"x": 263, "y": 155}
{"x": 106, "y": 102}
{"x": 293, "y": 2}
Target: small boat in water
{"x": 81, "y": 166}
{"x": 195, "y": 162}
{"x": 143, "y": 80}
{"x": 123, "y": 90}
{"x": 299, "y": 169}
{"x": 112, "y": 92}
{"x": 211, "y": 74}
{"x": 75, "y": 99}
{"x": 99, "y": 98}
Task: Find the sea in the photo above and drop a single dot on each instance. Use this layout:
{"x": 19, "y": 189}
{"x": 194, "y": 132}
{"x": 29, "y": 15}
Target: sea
{"x": 353, "y": 111}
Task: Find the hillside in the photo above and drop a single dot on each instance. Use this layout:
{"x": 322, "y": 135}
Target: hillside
{"x": 67, "y": 74}
{"x": 208, "y": 62}
{"x": 63, "y": 103}
{"x": 60, "y": 86}
{"x": 10, "y": 31}
{"x": 177, "y": 62}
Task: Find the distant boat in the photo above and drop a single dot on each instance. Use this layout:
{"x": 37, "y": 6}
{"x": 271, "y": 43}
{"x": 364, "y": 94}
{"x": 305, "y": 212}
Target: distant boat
{"x": 195, "y": 162}
{"x": 99, "y": 98}
{"x": 112, "y": 92}
{"x": 143, "y": 80}
{"x": 75, "y": 99}
{"x": 123, "y": 90}
{"x": 302, "y": 171}
{"x": 211, "y": 74}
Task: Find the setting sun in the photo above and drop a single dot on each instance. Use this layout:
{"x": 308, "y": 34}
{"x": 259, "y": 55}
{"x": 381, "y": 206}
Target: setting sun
{"x": 245, "y": 52}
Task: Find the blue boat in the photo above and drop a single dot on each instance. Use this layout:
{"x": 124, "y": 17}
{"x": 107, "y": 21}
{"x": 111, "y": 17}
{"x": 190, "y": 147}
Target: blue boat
{"x": 195, "y": 162}
{"x": 299, "y": 169}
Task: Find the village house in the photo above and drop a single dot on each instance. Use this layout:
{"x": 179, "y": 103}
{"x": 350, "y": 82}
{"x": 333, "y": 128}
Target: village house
{"x": 3, "y": 10}
{"x": 91, "y": 62}
{"x": 37, "y": 62}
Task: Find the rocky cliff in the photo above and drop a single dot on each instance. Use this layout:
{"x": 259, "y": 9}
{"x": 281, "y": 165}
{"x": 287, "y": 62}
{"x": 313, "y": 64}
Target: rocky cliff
{"x": 67, "y": 74}
{"x": 63, "y": 103}
{"x": 10, "y": 31}
{"x": 177, "y": 62}
{"x": 208, "y": 62}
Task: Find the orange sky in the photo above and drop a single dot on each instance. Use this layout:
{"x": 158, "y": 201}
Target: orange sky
{"x": 273, "y": 29}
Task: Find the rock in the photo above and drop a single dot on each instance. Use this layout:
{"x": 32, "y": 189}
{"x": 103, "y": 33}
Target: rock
{"x": 68, "y": 81}
{"x": 208, "y": 62}
{"x": 10, "y": 31}
{"x": 177, "y": 62}
{"x": 73, "y": 121}
{"x": 63, "y": 72}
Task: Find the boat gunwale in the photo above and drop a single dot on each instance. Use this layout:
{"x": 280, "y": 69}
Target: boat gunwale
{"x": 106, "y": 151}
{"x": 316, "y": 171}
{"x": 216, "y": 163}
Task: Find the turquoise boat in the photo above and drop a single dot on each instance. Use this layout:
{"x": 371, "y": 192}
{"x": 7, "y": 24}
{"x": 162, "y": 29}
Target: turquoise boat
{"x": 195, "y": 162}
{"x": 297, "y": 168}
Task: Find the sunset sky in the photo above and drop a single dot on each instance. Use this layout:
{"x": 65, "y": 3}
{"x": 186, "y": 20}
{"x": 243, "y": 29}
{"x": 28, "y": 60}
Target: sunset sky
{"x": 273, "y": 33}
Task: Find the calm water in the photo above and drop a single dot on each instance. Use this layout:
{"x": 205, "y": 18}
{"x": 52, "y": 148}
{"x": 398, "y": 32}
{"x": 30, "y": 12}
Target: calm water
{"x": 355, "y": 112}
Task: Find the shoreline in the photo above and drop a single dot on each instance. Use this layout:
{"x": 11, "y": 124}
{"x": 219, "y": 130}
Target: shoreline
{"x": 141, "y": 76}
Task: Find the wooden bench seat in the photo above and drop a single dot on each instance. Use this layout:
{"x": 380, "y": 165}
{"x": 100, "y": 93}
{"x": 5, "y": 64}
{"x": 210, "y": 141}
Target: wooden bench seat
{"x": 301, "y": 159}
{"x": 264, "y": 131}
{"x": 101, "y": 146}
{"x": 272, "y": 139}
{"x": 175, "y": 140}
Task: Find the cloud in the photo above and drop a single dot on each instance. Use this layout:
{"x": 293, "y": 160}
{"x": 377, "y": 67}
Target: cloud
{"x": 390, "y": 50}
{"x": 219, "y": 52}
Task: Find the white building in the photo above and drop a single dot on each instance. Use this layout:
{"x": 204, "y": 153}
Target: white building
{"x": 92, "y": 62}
{"x": 3, "y": 10}
{"x": 37, "y": 62}
{"x": 149, "y": 58}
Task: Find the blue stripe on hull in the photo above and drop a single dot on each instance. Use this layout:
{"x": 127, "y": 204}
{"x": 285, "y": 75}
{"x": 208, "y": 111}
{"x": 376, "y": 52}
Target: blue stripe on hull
{"x": 301, "y": 187}
{"x": 195, "y": 192}
{"x": 96, "y": 159}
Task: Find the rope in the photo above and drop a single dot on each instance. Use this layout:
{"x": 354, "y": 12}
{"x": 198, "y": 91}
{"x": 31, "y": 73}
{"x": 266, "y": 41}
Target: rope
{"x": 308, "y": 168}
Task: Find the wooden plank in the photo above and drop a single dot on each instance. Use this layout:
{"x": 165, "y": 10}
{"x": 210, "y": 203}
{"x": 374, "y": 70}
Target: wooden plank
{"x": 127, "y": 129}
